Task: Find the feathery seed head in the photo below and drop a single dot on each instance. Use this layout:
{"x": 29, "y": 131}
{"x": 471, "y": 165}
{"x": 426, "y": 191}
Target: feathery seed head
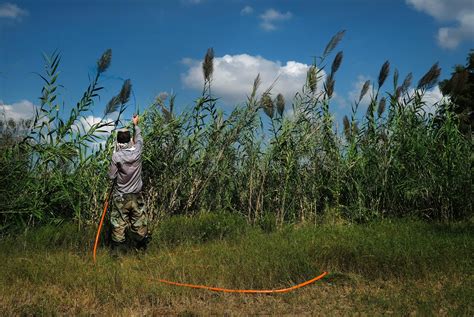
{"x": 124, "y": 94}
{"x": 267, "y": 104}
{"x": 407, "y": 82}
{"x": 398, "y": 92}
{"x": 381, "y": 107}
{"x": 355, "y": 128}
{"x": 336, "y": 63}
{"x": 329, "y": 86}
{"x": 364, "y": 90}
{"x": 112, "y": 105}
{"x": 333, "y": 42}
{"x": 383, "y": 73}
{"x": 395, "y": 78}
{"x": 163, "y": 95}
{"x": 104, "y": 62}
{"x": 208, "y": 64}
{"x": 311, "y": 78}
{"x": 430, "y": 78}
{"x": 347, "y": 127}
{"x": 280, "y": 104}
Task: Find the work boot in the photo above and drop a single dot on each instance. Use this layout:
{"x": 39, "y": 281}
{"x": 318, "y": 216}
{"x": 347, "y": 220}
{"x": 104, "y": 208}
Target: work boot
{"x": 143, "y": 243}
{"x": 119, "y": 249}
{"x": 140, "y": 243}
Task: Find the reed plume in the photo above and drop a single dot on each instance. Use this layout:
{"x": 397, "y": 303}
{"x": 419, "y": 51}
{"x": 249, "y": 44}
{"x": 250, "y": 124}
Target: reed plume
{"x": 381, "y": 107}
{"x": 256, "y": 83}
{"x": 329, "y": 86}
{"x": 347, "y": 127}
{"x": 364, "y": 90}
{"x": 280, "y": 104}
{"x": 311, "y": 78}
{"x": 405, "y": 85}
{"x": 333, "y": 42}
{"x": 383, "y": 73}
{"x": 407, "y": 82}
{"x": 112, "y": 105}
{"x": 430, "y": 78}
{"x": 124, "y": 94}
{"x": 336, "y": 63}
{"x": 267, "y": 104}
{"x": 104, "y": 62}
{"x": 208, "y": 64}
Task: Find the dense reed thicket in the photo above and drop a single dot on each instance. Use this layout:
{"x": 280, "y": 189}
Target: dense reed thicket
{"x": 268, "y": 159}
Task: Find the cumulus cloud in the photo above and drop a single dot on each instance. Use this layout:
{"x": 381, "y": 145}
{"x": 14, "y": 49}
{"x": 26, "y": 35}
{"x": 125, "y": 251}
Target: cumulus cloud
{"x": 234, "y": 76}
{"x": 459, "y": 11}
{"x": 247, "y": 10}
{"x": 354, "y": 93}
{"x": 23, "y": 109}
{"x": 85, "y": 123}
{"x": 12, "y": 11}
{"x": 431, "y": 98}
{"x": 271, "y": 17}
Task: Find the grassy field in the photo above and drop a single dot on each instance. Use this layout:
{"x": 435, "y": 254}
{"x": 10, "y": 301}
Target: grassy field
{"x": 391, "y": 267}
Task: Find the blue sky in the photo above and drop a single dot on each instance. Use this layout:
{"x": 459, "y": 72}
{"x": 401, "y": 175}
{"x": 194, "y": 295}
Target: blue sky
{"x": 159, "y": 44}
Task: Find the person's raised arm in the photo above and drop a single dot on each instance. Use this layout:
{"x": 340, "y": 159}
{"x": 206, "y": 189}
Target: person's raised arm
{"x": 138, "y": 133}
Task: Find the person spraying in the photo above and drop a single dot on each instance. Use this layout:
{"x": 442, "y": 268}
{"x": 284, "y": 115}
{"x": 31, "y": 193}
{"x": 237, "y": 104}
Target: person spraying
{"x": 128, "y": 207}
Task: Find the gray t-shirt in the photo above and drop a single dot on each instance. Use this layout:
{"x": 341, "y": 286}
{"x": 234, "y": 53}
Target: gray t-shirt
{"x": 126, "y": 167}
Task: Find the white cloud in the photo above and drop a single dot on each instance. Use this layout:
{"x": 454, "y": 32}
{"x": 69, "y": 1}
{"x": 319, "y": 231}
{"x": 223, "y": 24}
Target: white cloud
{"x": 460, "y": 11}
{"x": 431, "y": 99}
{"x": 271, "y": 17}
{"x": 12, "y": 11}
{"x": 85, "y": 124}
{"x": 354, "y": 93}
{"x": 234, "y": 76}
{"x": 247, "y": 10}
{"x": 449, "y": 37}
{"x": 23, "y": 109}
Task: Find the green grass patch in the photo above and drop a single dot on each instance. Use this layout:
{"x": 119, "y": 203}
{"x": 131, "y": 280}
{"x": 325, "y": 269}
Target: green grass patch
{"x": 401, "y": 267}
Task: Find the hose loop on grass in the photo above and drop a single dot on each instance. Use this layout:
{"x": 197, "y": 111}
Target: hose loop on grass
{"x": 246, "y": 291}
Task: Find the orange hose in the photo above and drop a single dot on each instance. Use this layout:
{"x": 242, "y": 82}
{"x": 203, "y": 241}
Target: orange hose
{"x": 247, "y": 291}
{"x": 210, "y": 288}
{"x": 106, "y": 205}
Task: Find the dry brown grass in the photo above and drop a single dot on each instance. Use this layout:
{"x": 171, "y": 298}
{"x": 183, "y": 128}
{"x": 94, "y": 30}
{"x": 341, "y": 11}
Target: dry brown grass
{"x": 341, "y": 296}
{"x": 398, "y": 269}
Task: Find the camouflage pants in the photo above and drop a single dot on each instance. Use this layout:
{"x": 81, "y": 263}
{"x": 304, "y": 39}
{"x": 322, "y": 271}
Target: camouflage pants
{"x": 128, "y": 211}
